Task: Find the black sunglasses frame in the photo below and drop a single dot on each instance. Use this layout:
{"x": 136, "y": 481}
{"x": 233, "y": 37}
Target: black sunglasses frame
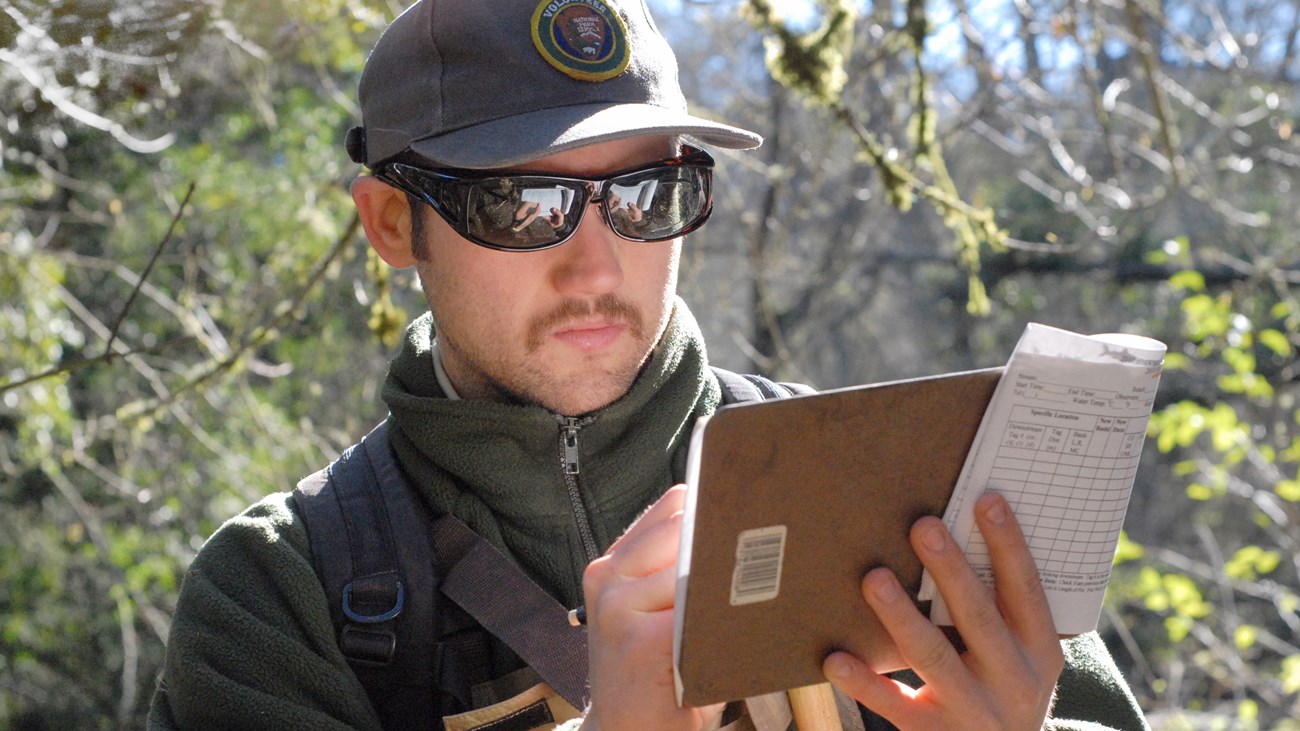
{"x": 446, "y": 191}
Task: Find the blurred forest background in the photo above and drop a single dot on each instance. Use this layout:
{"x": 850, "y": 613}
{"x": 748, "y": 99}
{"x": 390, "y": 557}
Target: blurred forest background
{"x": 189, "y": 319}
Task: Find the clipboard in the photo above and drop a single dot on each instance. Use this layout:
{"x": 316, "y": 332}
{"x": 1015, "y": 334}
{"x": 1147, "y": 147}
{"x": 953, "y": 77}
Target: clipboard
{"x": 791, "y": 502}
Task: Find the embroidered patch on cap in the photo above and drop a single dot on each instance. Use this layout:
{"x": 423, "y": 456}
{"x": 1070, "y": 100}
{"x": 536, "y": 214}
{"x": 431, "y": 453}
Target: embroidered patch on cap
{"x": 584, "y": 39}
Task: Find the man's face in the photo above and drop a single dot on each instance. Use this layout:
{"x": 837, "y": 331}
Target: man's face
{"x": 568, "y": 327}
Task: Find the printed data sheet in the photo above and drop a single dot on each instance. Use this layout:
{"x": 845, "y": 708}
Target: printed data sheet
{"x": 1061, "y": 441}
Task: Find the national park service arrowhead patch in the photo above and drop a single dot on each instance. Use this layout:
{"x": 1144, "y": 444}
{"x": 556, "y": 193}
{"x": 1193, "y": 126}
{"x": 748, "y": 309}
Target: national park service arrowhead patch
{"x": 584, "y": 39}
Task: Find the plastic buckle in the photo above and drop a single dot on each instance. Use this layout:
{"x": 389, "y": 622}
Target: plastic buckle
{"x": 373, "y": 618}
{"x": 370, "y": 647}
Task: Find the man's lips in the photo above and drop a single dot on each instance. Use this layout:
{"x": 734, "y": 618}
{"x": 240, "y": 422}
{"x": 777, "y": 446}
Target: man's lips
{"x": 586, "y": 325}
{"x": 589, "y": 337}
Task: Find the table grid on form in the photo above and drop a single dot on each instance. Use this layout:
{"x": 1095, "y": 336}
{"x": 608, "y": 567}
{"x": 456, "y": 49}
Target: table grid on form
{"x": 1067, "y": 474}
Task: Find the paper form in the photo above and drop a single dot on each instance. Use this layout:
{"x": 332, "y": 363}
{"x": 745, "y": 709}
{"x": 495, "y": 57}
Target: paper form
{"x": 1061, "y": 441}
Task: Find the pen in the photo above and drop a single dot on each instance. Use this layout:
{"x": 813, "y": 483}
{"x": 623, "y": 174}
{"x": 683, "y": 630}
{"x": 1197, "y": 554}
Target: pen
{"x": 578, "y": 617}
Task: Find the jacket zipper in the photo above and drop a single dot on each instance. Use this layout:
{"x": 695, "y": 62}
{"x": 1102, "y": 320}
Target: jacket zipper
{"x": 569, "y": 427}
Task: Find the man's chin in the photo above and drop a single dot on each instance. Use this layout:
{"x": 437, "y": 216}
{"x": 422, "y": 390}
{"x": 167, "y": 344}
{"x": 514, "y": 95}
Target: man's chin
{"x": 585, "y": 397}
{"x": 585, "y": 387}
{"x": 580, "y": 385}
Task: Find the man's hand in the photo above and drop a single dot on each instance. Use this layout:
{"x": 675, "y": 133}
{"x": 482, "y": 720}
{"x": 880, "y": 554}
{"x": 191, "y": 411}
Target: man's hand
{"x": 1005, "y": 679}
{"x": 529, "y": 211}
{"x": 629, "y": 600}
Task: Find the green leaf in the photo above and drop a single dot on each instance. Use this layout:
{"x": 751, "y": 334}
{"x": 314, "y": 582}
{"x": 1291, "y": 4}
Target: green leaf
{"x": 1241, "y": 361}
{"x": 1178, "y": 628}
{"x": 1244, "y": 637}
{"x": 1192, "y": 281}
{"x": 1292, "y": 451}
{"x": 1289, "y": 602}
{"x": 1148, "y": 580}
{"x": 1127, "y": 550}
{"x": 1250, "y": 562}
{"x": 1248, "y": 710}
{"x": 1185, "y": 597}
{"x": 1176, "y": 361}
{"x": 1288, "y": 490}
{"x": 1277, "y": 342}
{"x": 1290, "y": 675}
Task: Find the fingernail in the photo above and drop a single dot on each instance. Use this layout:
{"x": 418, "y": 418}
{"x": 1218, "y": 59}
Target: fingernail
{"x": 886, "y": 589}
{"x": 996, "y": 512}
{"x": 934, "y": 539}
{"x": 839, "y": 667}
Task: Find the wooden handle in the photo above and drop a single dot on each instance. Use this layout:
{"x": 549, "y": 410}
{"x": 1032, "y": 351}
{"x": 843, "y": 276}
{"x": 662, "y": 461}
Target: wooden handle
{"x": 814, "y": 708}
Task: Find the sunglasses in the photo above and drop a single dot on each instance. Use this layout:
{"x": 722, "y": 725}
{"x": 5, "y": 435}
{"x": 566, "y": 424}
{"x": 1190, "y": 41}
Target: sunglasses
{"x": 528, "y": 212}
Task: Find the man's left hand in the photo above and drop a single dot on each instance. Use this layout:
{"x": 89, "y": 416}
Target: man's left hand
{"x": 1005, "y": 679}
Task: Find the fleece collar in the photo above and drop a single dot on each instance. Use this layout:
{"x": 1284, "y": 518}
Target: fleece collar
{"x": 500, "y": 467}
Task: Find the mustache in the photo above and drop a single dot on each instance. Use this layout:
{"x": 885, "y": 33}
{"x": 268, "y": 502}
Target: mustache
{"x": 609, "y": 306}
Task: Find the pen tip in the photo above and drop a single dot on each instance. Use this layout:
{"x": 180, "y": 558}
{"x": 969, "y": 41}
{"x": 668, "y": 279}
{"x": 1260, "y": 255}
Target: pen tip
{"x": 578, "y": 617}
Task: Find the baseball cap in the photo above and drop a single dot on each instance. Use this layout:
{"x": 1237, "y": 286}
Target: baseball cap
{"x": 485, "y": 84}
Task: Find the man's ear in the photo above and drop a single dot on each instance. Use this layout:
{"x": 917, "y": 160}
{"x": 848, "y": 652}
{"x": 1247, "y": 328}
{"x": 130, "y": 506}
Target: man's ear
{"x": 386, "y": 217}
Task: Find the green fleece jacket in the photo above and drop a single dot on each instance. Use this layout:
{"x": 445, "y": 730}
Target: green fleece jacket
{"x": 252, "y": 644}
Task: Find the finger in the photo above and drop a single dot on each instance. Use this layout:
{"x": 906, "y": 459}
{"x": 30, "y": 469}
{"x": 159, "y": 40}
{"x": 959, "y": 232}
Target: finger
{"x": 525, "y": 216}
{"x": 654, "y": 592}
{"x": 557, "y": 218}
{"x": 922, "y": 645}
{"x": 672, "y": 501}
{"x": 652, "y": 540}
{"x": 973, "y": 606}
{"x": 649, "y": 550}
{"x": 1018, "y": 585}
{"x": 887, "y": 698}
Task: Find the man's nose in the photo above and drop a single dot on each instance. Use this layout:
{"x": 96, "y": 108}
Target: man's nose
{"x": 589, "y": 264}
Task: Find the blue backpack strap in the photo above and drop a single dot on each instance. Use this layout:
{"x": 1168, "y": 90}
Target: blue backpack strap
{"x": 353, "y": 510}
{"x": 739, "y": 388}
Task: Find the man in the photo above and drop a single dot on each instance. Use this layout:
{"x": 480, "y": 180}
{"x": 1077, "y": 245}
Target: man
{"x": 555, "y": 402}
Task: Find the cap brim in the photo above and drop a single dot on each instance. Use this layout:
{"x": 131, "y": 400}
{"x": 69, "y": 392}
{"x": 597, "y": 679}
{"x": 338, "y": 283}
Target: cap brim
{"x": 520, "y": 139}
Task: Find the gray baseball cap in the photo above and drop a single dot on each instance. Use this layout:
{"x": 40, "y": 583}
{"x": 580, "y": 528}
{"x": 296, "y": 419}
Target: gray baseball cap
{"x": 497, "y": 83}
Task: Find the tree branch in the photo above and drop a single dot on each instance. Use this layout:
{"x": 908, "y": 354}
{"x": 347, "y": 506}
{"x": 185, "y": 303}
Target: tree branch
{"x": 261, "y": 334}
{"x": 135, "y": 292}
{"x": 77, "y": 365}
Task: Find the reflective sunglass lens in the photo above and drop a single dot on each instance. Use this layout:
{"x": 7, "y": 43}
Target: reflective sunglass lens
{"x": 658, "y": 204}
{"x": 519, "y": 213}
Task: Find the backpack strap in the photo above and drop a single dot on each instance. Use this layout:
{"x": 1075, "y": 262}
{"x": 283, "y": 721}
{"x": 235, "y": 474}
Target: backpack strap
{"x": 353, "y": 511}
{"x": 476, "y": 576}
{"x": 739, "y": 388}
{"x": 385, "y": 566}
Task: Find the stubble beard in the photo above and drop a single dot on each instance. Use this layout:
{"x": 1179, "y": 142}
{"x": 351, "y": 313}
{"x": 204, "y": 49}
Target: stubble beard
{"x": 531, "y": 383}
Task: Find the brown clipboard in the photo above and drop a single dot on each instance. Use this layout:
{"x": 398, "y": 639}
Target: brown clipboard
{"x": 846, "y": 473}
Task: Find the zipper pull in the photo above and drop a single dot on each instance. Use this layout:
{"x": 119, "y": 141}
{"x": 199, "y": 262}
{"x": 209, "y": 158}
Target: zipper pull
{"x": 569, "y": 436}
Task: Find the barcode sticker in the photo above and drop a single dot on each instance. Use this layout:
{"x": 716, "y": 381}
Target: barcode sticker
{"x": 757, "y": 576}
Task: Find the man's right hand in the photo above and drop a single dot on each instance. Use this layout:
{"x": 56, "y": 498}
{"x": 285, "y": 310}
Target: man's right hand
{"x": 629, "y": 598}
